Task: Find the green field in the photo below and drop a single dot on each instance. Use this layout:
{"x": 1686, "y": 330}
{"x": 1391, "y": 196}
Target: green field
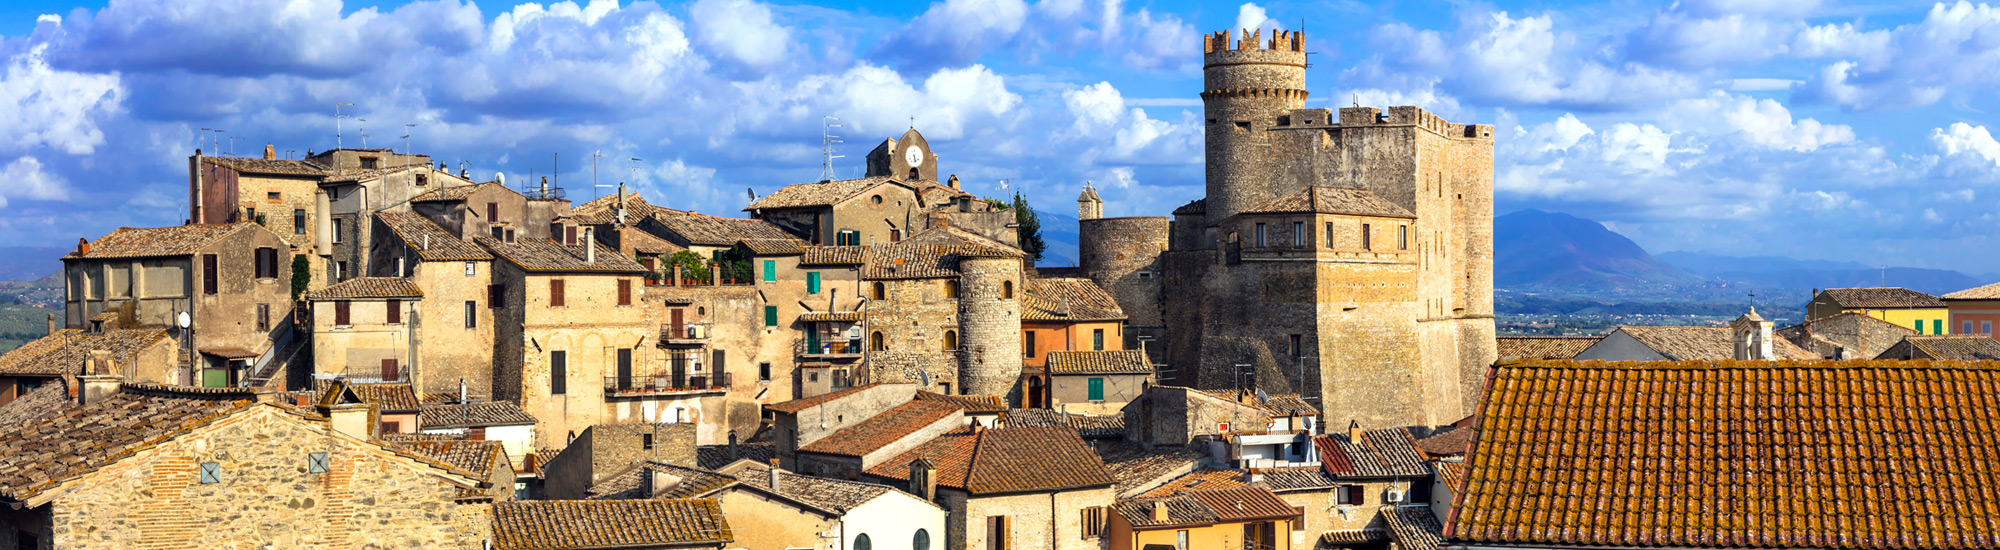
{"x": 21, "y": 323}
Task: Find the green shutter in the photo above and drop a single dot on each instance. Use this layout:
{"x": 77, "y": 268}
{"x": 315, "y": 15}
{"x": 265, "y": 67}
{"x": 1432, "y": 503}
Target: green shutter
{"x": 812, "y": 282}
{"x": 770, "y": 316}
{"x": 1920, "y": 326}
{"x": 1097, "y": 389}
{"x": 1937, "y": 326}
{"x": 770, "y": 271}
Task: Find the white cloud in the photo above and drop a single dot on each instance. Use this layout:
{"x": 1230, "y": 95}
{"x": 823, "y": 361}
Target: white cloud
{"x": 741, "y": 29}
{"x": 955, "y": 32}
{"x": 1557, "y": 135}
{"x": 1495, "y": 57}
{"x": 1967, "y": 139}
{"x": 1840, "y": 40}
{"x": 1687, "y": 36}
{"x": 53, "y": 108}
{"x": 1426, "y": 97}
{"x": 49, "y": 18}
{"x": 1637, "y": 147}
{"x": 1100, "y": 112}
{"x": 1912, "y": 65}
{"x": 1763, "y": 122}
{"x": 1761, "y": 84}
{"x": 1251, "y": 17}
{"x": 1095, "y": 106}
{"x": 26, "y": 179}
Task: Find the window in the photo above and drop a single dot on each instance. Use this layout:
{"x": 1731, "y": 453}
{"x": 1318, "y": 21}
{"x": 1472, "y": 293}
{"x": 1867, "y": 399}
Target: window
{"x": 337, "y": 236}
{"x": 340, "y": 271}
{"x": 1986, "y": 327}
{"x": 950, "y": 340}
{"x": 876, "y": 199}
{"x": 558, "y": 372}
{"x": 422, "y": 180}
{"x": 861, "y": 542}
{"x": 1028, "y": 344}
{"x": 263, "y": 317}
{"x": 273, "y": 196}
{"x": 770, "y": 271}
{"x": 340, "y": 313}
{"x": 1093, "y": 521}
{"x": 921, "y": 541}
{"x": 1181, "y": 540}
{"x": 1329, "y": 236}
{"x": 624, "y": 292}
{"x": 499, "y": 233}
{"x": 266, "y": 260}
{"x": 770, "y": 316}
{"x": 471, "y": 314}
{"x": 1097, "y": 339}
{"x": 1006, "y": 290}
{"x": 496, "y": 296}
{"x": 764, "y": 372}
{"x": 1937, "y": 326}
{"x": 951, "y": 289}
{"x": 875, "y": 342}
{"x": 392, "y": 426}
{"x": 492, "y": 212}
{"x": 510, "y": 234}
{"x": 555, "y": 293}
{"x": 1096, "y": 389}
{"x": 370, "y": 163}
{"x": 569, "y": 235}
{"x": 646, "y": 442}
{"x": 1260, "y": 236}
{"x": 211, "y": 472}
{"x": 1300, "y": 523}
{"x": 1348, "y": 495}
{"x": 395, "y": 308}
{"x": 1402, "y": 237}
{"x": 1965, "y": 327}
{"x": 1298, "y": 345}
{"x": 1920, "y": 322}
{"x": 317, "y": 463}
{"x": 1366, "y": 241}
{"x": 996, "y": 533}
{"x": 879, "y": 292}
{"x": 1298, "y": 234}
{"x": 298, "y": 222}
{"x": 812, "y": 282}
{"x": 847, "y": 237}
{"x": 211, "y": 279}
{"x": 895, "y": 235}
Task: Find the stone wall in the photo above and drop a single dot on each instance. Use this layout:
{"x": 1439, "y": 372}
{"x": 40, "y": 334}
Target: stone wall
{"x": 1034, "y": 520}
{"x": 606, "y": 449}
{"x": 589, "y": 330}
{"x": 358, "y": 348}
{"x": 794, "y": 430}
{"x": 1122, "y": 255}
{"x": 912, "y": 318}
{"x": 990, "y": 343}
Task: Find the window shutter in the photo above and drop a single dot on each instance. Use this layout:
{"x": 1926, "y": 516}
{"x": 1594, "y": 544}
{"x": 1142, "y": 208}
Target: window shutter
{"x": 395, "y": 316}
{"x": 770, "y": 316}
{"x": 472, "y": 314}
{"x": 340, "y": 313}
{"x": 209, "y": 276}
{"x": 624, "y": 292}
{"x": 492, "y": 212}
{"x": 389, "y": 371}
{"x": 770, "y": 271}
{"x": 569, "y": 235}
{"x": 496, "y": 296}
{"x": 555, "y": 293}
{"x": 1299, "y": 523}
{"x": 812, "y": 282}
{"x": 558, "y": 372}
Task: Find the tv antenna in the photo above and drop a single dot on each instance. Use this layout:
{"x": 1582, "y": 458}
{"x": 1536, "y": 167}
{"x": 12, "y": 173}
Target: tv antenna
{"x": 826, "y": 141}
{"x": 336, "y": 122}
{"x": 632, "y": 167}
{"x": 1003, "y": 182}
{"x": 232, "y": 144}
{"x": 407, "y": 130}
{"x": 363, "y": 129}
{"x": 594, "y": 155}
{"x": 288, "y": 153}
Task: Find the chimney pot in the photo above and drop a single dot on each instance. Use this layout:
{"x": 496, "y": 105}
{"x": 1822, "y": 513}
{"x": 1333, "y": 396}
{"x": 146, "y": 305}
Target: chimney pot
{"x": 82, "y": 247}
{"x": 1354, "y": 431}
{"x": 774, "y": 476}
{"x": 1159, "y": 511}
{"x": 270, "y": 152}
{"x": 589, "y": 247}
{"x": 734, "y": 454}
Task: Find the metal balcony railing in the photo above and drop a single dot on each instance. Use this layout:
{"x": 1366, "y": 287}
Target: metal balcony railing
{"x": 813, "y": 346}
{"x": 684, "y": 333}
{"x": 666, "y": 382}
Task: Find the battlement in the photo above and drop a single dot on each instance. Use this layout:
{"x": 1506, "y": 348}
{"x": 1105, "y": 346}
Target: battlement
{"x": 1351, "y": 117}
{"x": 1281, "y": 40}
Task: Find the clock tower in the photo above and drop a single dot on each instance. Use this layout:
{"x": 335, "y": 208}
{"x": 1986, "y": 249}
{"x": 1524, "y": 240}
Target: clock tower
{"x": 907, "y": 159}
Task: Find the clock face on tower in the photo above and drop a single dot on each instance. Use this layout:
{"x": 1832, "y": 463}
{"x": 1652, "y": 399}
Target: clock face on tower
{"x": 914, "y": 156}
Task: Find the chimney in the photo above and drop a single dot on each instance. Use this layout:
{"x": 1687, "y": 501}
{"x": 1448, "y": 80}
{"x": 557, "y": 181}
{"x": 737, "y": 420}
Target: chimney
{"x": 1354, "y": 432}
{"x": 923, "y": 478}
{"x": 462, "y": 398}
{"x": 99, "y": 381}
{"x": 954, "y": 181}
{"x": 270, "y": 152}
{"x": 734, "y": 454}
{"x": 1160, "y": 511}
{"x": 1252, "y": 475}
{"x": 52, "y": 324}
{"x": 322, "y": 223}
{"x": 774, "y": 476}
{"x": 589, "y": 247}
{"x": 82, "y": 247}
{"x": 351, "y": 419}
{"x": 621, "y": 202}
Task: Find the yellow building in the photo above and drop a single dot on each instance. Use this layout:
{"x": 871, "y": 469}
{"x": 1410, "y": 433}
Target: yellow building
{"x": 1901, "y": 306}
{"x": 1242, "y": 517}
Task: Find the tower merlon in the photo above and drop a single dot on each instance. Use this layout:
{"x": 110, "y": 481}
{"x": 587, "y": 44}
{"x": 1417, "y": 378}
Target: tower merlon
{"x": 1281, "y": 40}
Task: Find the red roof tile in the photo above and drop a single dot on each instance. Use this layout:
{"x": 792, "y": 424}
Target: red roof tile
{"x": 1011, "y": 460}
{"x": 882, "y": 429}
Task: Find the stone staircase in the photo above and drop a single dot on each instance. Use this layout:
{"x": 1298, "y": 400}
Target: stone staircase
{"x": 289, "y": 356}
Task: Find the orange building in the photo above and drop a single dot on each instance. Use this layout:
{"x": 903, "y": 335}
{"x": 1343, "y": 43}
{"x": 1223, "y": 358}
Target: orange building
{"x": 1241, "y": 517}
{"x": 1064, "y": 315}
{"x": 1974, "y": 310}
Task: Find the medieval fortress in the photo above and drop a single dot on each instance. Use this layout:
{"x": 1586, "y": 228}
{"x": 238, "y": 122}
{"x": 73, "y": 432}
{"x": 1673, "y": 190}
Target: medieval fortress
{"x": 1346, "y": 256}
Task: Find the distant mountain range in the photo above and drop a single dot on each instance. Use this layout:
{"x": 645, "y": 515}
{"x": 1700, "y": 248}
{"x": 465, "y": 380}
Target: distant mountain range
{"x": 28, "y": 263}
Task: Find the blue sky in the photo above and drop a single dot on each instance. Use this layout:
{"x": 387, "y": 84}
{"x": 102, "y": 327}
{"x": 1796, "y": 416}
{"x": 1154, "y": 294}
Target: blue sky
{"x": 1824, "y": 130}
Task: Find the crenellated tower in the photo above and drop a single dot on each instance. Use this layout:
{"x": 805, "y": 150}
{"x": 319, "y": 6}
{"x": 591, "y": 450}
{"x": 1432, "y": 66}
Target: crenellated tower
{"x": 1247, "y": 85}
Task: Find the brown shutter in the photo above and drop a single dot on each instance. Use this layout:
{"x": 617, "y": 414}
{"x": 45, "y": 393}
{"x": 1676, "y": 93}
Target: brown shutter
{"x": 340, "y": 313}
{"x": 624, "y": 292}
{"x": 555, "y": 293}
{"x": 476, "y": 434}
{"x": 569, "y": 235}
{"x": 208, "y": 275}
{"x": 496, "y": 296}
{"x": 395, "y": 312}
{"x": 389, "y": 370}
{"x": 492, "y": 212}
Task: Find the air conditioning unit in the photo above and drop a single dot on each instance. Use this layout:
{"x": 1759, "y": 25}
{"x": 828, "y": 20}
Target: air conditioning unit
{"x": 854, "y": 332}
{"x": 1395, "y": 496}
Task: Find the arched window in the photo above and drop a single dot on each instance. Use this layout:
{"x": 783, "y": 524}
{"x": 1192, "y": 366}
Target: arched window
{"x": 880, "y": 292}
{"x": 913, "y": 174}
{"x": 951, "y": 289}
{"x": 875, "y": 342}
{"x": 922, "y": 541}
{"x": 1007, "y": 290}
{"x": 950, "y": 340}
{"x": 861, "y": 542}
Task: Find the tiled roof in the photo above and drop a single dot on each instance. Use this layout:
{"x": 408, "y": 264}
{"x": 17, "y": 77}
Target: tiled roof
{"x": 1133, "y": 466}
{"x": 1855, "y": 333}
{"x": 1703, "y": 343}
{"x": 64, "y": 353}
{"x": 1455, "y": 441}
{"x": 775, "y": 247}
{"x": 882, "y": 429}
{"x": 985, "y": 461}
{"x": 368, "y": 288}
{"x": 603, "y": 210}
{"x": 365, "y": 174}
{"x": 1206, "y": 507}
{"x": 546, "y": 255}
{"x": 635, "y": 482}
{"x": 1207, "y": 478}
{"x": 1300, "y": 478}
{"x": 706, "y": 230}
{"x": 1197, "y": 206}
{"x": 834, "y": 255}
{"x": 477, "y": 457}
{"x": 1333, "y": 200}
{"x": 1068, "y": 300}
{"x": 1182, "y": 511}
{"x": 1451, "y": 473}
{"x": 714, "y": 457}
{"x": 1851, "y": 454}
{"x": 1099, "y": 362}
{"x": 144, "y": 242}
{"x": 818, "y": 193}
{"x": 1283, "y": 404}
{"x": 553, "y": 524}
{"x": 833, "y": 495}
{"x": 386, "y": 396}
{"x": 1386, "y": 452}
{"x": 1414, "y": 527}
{"x": 971, "y": 404}
{"x": 1544, "y": 347}
{"x": 259, "y": 165}
{"x": 1985, "y": 292}
{"x": 1880, "y": 298}
{"x": 932, "y": 254}
{"x": 1088, "y": 426}
{"x": 457, "y": 192}
{"x": 53, "y": 396}
{"x": 71, "y": 441}
{"x": 638, "y": 240}
{"x": 474, "y": 415}
{"x": 1956, "y": 347}
{"x": 830, "y": 316}
{"x": 804, "y": 403}
{"x": 1340, "y": 538}
{"x": 432, "y": 243}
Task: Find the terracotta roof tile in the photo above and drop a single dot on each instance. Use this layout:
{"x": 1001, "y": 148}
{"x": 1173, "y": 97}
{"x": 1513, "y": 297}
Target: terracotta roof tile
{"x": 1244, "y": 504}
{"x": 971, "y": 404}
{"x": 1301, "y": 478}
{"x": 1851, "y": 454}
{"x": 834, "y": 255}
{"x": 1087, "y": 426}
{"x": 639, "y": 241}
{"x": 73, "y": 440}
{"x": 1099, "y": 362}
{"x": 64, "y": 353}
{"x": 1387, "y": 452}
{"x": 1956, "y": 347}
{"x": 714, "y": 457}
{"x": 259, "y": 165}
{"x": 1544, "y": 347}
{"x": 822, "y": 193}
{"x": 478, "y": 457}
{"x": 432, "y": 243}
{"x": 830, "y": 316}
{"x": 1413, "y": 527}
{"x": 1133, "y": 466}
{"x": 1197, "y": 206}
{"x": 546, "y": 255}
{"x": 368, "y": 288}
{"x": 1855, "y": 333}
{"x": 1332, "y": 200}
{"x": 1880, "y": 298}
{"x": 1341, "y": 538}
{"x": 1451, "y": 473}
{"x": 1283, "y": 404}
{"x": 553, "y": 524}
{"x": 882, "y": 429}
{"x": 1452, "y": 442}
{"x": 635, "y": 482}
{"x": 1183, "y": 511}
{"x": 932, "y": 254}
{"x": 1703, "y": 343}
{"x": 52, "y": 397}
{"x": 804, "y": 403}
{"x": 1010, "y": 460}
{"x": 775, "y": 247}
{"x": 143, "y": 242}
{"x": 833, "y": 495}
{"x": 474, "y": 415}
{"x": 706, "y": 230}
{"x": 1207, "y": 478}
{"x": 1984, "y": 292}
{"x": 1068, "y": 300}
{"x": 386, "y": 396}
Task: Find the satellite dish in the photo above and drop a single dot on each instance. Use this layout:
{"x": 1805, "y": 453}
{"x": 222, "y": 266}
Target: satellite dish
{"x": 500, "y": 177}
{"x": 183, "y": 320}
{"x": 924, "y": 379}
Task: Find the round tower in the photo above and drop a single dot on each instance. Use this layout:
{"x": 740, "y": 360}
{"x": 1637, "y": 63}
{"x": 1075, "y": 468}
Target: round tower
{"x": 1246, "y": 85}
{"x": 989, "y": 320}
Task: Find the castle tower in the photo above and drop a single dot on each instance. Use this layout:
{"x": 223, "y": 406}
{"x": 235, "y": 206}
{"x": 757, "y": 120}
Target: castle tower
{"x": 1088, "y": 205}
{"x": 1246, "y": 86}
{"x": 989, "y": 320}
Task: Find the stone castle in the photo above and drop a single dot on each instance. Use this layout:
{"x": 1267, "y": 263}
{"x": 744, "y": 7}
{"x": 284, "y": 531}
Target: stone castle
{"x": 1345, "y": 255}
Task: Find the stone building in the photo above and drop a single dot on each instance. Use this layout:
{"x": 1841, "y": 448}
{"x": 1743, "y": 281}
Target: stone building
{"x": 453, "y": 325}
{"x": 1923, "y": 313}
{"x": 1839, "y": 336}
{"x": 773, "y": 508}
{"x": 153, "y": 466}
{"x": 1955, "y": 347}
{"x": 1343, "y": 255}
{"x": 943, "y": 308}
{"x": 1010, "y": 487}
{"x": 1243, "y": 517}
{"x": 604, "y": 450}
{"x": 145, "y": 354}
{"x": 899, "y": 197}
{"x": 846, "y": 453}
{"x": 233, "y": 280}
{"x": 364, "y": 329}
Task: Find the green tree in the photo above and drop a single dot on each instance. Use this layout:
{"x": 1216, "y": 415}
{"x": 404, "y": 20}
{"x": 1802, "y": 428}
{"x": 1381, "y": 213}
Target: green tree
{"x": 1029, "y": 229}
{"x": 692, "y": 265}
{"x": 302, "y": 275}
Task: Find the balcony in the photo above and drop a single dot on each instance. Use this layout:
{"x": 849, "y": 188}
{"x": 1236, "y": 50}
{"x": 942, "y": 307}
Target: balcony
{"x": 827, "y": 349}
{"x": 664, "y": 383}
{"x": 684, "y": 335}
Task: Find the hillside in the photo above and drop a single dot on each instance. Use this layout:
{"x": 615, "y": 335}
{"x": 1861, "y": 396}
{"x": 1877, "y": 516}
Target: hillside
{"x": 28, "y": 263}
{"x": 1787, "y": 273}
{"x": 1536, "y": 249}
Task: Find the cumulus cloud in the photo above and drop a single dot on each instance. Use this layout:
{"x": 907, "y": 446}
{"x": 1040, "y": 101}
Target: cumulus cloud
{"x": 1100, "y": 112}
{"x": 53, "y": 108}
{"x": 1966, "y": 139}
{"x": 1251, "y": 17}
{"x": 1495, "y": 57}
{"x": 954, "y": 33}
{"x": 26, "y": 179}
{"x": 1704, "y": 34}
{"x": 1912, "y": 65}
{"x": 742, "y": 30}
{"x": 1762, "y": 122}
